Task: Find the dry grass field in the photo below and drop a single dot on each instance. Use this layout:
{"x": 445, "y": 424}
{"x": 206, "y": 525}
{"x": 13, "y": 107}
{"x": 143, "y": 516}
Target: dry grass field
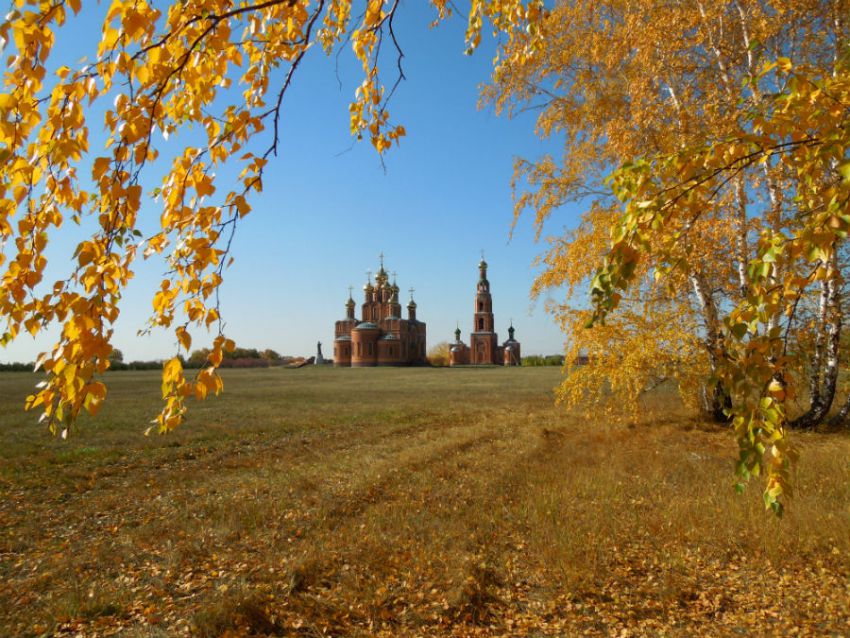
{"x": 321, "y": 502}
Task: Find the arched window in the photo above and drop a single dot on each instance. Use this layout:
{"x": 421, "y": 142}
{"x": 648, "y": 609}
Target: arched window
{"x": 480, "y": 306}
{"x": 480, "y": 323}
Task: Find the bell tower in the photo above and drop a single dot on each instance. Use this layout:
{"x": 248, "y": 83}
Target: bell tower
{"x": 483, "y": 340}
{"x": 483, "y": 318}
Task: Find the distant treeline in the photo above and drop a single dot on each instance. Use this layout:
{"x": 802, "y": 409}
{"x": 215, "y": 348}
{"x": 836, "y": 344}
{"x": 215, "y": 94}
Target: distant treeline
{"x": 247, "y": 358}
{"x": 16, "y": 367}
{"x": 242, "y": 358}
{"x": 552, "y": 360}
{"x": 543, "y": 360}
{"x": 239, "y": 358}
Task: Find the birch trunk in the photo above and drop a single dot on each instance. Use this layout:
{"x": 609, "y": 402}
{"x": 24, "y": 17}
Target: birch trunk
{"x": 741, "y": 249}
{"x": 815, "y": 375}
{"x": 825, "y": 372}
{"x": 717, "y": 400}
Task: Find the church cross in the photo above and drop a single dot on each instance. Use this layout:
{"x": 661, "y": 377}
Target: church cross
{"x": 411, "y": 290}
{"x": 381, "y": 256}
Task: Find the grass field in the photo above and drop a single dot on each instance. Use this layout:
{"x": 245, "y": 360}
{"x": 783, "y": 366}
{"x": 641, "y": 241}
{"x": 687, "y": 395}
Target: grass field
{"x": 414, "y": 502}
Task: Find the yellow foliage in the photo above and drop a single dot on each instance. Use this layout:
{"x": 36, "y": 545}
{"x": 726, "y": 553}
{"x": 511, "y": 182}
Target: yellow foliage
{"x": 614, "y": 365}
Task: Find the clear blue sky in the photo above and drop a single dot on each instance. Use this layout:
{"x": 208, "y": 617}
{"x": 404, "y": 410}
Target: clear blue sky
{"x": 329, "y": 208}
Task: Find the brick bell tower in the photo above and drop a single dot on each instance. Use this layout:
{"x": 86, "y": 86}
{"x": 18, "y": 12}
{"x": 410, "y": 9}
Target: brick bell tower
{"x": 483, "y": 339}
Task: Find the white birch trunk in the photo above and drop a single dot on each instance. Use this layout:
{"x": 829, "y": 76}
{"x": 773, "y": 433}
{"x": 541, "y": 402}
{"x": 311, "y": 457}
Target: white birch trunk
{"x": 827, "y": 361}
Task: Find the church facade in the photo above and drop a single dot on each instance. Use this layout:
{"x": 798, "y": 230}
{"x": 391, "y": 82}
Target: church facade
{"x": 484, "y": 347}
{"x": 380, "y": 337}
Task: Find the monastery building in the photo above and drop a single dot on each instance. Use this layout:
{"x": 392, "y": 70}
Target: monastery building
{"x": 381, "y": 337}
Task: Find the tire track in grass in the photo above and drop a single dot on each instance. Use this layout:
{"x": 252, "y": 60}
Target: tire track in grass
{"x": 464, "y": 472}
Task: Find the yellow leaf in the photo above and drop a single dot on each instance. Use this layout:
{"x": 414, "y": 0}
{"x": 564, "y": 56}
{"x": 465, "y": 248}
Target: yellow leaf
{"x": 172, "y": 370}
{"x": 99, "y": 167}
{"x": 184, "y": 338}
{"x": 7, "y": 101}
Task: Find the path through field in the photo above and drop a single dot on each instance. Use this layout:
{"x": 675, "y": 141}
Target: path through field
{"x": 406, "y": 503}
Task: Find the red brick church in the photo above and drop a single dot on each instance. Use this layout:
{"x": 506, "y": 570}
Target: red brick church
{"x": 484, "y": 348}
{"x": 381, "y": 337}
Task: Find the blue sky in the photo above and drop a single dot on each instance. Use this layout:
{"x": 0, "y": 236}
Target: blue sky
{"x": 329, "y": 208}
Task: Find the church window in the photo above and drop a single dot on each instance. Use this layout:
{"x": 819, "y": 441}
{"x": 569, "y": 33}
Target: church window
{"x": 370, "y": 348}
{"x": 481, "y": 324}
{"x": 358, "y": 349}
{"x": 480, "y": 306}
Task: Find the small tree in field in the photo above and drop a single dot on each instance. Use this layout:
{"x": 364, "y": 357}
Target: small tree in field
{"x": 439, "y": 354}
{"x": 270, "y": 355}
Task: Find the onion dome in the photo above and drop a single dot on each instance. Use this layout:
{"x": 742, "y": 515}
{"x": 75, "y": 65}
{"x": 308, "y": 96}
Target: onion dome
{"x": 381, "y": 278}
